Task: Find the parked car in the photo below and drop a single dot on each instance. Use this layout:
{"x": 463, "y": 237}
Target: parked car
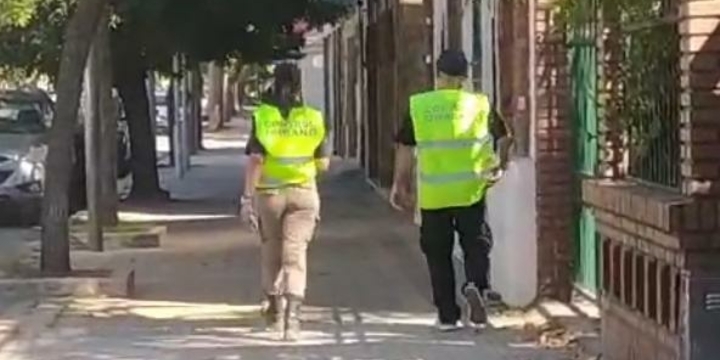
{"x": 25, "y": 118}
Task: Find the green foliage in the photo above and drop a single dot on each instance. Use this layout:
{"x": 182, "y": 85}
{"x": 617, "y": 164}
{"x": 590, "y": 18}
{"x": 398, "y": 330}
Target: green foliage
{"x": 222, "y": 29}
{"x": 16, "y": 12}
{"x": 642, "y": 79}
{"x": 33, "y": 46}
{"x": 31, "y": 31}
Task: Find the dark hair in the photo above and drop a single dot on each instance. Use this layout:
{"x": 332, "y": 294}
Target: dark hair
{"x": 287, "y": 77}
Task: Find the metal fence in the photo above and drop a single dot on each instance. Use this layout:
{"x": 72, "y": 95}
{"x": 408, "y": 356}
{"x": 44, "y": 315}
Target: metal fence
{"x": 649, "y": 81}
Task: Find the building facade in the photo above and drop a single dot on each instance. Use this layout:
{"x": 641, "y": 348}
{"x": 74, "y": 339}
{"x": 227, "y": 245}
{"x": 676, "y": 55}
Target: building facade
{"x": 613, "y": 189}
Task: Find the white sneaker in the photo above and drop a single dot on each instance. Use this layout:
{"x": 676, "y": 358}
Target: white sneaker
{"x": 448, "y": 327}
{"x": 477, "y": 308}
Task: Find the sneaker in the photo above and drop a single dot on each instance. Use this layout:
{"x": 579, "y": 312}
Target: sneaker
{"x": 448, "y": 327}
{"x": 477, "y": 308}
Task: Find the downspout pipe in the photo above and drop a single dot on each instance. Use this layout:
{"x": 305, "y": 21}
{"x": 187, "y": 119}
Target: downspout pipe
{"x": 532, "y": 85}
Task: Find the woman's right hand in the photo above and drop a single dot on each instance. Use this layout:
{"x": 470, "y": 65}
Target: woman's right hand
{"x": 248, "y": 215}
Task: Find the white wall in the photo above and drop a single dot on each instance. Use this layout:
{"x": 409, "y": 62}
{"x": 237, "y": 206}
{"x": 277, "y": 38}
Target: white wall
{"x": 467, "y": 38}
{"x": 440, "y": 29}
{"x": 512, "y": 211}
{"x": 312, "y": 68}
{"x": 313, "y": 77}
{"x": 489, "y": 46}
{"x": 513, "y": 220}
{"x": 512, "y": 202}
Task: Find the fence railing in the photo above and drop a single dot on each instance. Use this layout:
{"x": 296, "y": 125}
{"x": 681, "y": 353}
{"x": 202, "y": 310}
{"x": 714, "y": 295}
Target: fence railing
{"x": 647, "y": 102}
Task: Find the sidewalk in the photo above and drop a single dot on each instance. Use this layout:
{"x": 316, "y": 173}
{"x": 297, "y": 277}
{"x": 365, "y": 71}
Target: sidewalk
{"x": 198, "y": 296}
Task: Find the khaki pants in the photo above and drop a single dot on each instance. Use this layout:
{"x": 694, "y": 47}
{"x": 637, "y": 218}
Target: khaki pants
{"x": 287, "y": 222}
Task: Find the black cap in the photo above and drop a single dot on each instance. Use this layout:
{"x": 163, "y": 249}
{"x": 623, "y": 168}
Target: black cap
{"x": 453, "y": 63}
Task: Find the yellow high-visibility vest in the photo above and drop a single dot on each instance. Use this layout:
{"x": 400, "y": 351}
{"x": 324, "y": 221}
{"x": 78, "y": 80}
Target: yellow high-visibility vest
{"x": 455, "y": 147}
{"x": 289, "y": 144}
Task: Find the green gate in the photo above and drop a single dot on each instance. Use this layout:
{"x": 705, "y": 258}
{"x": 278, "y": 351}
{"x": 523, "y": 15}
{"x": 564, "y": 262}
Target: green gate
{"x": 583, "y": 58}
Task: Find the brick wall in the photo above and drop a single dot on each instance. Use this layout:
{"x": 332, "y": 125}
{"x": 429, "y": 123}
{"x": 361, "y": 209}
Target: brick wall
{"x": 700, "y": 64}
{"x": 555, "y": 172}
{"x": 658, "y": 245}
{"x": 552, "y": 133}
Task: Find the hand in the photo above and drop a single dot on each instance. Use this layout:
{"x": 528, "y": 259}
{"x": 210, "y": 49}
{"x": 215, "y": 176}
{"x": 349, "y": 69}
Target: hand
{"x": 248, "y": 215}
{"x": 495, "y": 175}
{"x": 399, "y": 197}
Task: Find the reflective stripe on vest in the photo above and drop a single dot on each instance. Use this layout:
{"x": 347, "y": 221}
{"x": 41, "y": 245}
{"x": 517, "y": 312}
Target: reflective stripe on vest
{"x": 293, "y": 160}
{"x": 290, "y": 145}
{"x": 455, "y": 177}
{"x": 454, "y": 146}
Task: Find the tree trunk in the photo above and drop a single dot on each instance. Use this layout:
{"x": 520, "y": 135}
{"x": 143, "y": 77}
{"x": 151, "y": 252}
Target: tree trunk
{"x": 170, "y": 101}
{"x": 146, "y": 183}
{"x": 194, "y": 103}
{"x": 55, "y": 253}
{"x": 242, "y": 83}
{"x": 240, "y": 97}
{"x": 93, "y": 150}
{"x": 198, "y": 90}
{"x": 108, "y": 128}
{"x": 152, "y": 101}
{"x": 229, "y": 108}
{"x": 215, "y": 98}
{"x": 130, "y": 75}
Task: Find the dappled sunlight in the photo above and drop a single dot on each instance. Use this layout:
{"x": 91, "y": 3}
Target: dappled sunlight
{"x": 516, "y": 319}
{"x": 226, "y": 326}
{"x": 140, "y": 217}
{"x": 145, "y": 217}
{"x": 587, "y": 307}
{"x": 162, "y": 310}
{"x": 7, "y": 326}
{"x": 533, "y": 345}
{"x": 238, "y": 141}
{"x": 218, "y": 144}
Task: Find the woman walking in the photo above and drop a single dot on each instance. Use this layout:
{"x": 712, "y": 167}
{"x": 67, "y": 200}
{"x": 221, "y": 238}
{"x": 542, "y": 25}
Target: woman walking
{"x": 286, "y": 150}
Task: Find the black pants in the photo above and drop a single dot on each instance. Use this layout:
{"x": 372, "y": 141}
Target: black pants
{"x": 437, "y": 237}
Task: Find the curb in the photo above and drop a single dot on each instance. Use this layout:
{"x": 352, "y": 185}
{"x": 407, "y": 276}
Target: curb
{"x": 147, "y": 238}
{"x": 119, "y": 282}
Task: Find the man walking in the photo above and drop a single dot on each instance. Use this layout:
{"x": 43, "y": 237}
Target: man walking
{"x": 454, "y": 132}
{"x": 287, "y": 149}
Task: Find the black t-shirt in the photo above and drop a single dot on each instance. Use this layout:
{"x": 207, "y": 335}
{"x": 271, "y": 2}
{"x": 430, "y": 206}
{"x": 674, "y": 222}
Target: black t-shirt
{"x": 255, "y": 147}
{"x": 406, "y": 135}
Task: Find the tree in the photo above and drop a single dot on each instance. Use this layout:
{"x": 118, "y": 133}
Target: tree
{"x": 32, "y": 46}
{"x": 216, "y": 104}
{"x": 53, "y": 37}
{"x": 55, "y": 255}
{"x": 130, "y": 69}
{"x": 149, "y": 33}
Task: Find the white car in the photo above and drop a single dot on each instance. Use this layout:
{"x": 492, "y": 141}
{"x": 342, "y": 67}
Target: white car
{"x": 25, "y": 118}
